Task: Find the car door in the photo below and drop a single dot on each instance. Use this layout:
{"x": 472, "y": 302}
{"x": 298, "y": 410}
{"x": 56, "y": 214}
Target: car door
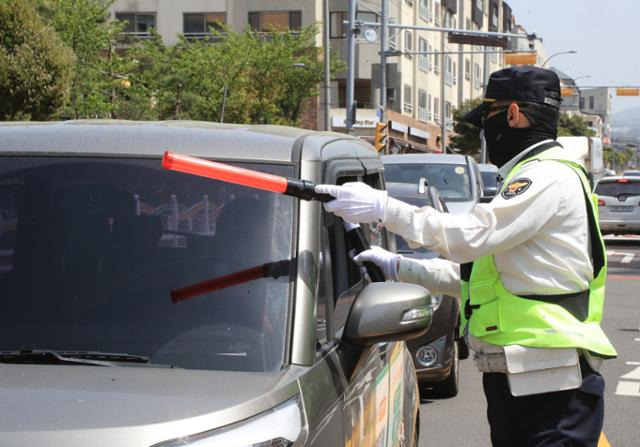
{"x": 378, "y": 402}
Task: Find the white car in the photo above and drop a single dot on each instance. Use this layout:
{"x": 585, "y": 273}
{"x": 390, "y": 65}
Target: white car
{"x": 456, "y": 177}
{"x": 619, "y": 205}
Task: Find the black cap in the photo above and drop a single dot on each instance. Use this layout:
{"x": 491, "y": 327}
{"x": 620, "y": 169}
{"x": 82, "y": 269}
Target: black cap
{"x": 525, "y": 83}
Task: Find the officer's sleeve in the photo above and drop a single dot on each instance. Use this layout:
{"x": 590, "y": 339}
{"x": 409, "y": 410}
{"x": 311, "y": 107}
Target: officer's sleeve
{"x": 437, "y": 275}
{"x": 520, "y": 211}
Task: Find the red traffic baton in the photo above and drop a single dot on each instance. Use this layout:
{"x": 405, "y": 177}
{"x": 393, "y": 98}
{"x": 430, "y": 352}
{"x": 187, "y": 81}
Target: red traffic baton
{"x": 302, "y": 189}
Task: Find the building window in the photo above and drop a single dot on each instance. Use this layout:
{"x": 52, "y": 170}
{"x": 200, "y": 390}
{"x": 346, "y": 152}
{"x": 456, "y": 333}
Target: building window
{"x": 447, "y": 114}
{"x": 477, "y": 75}
{"x": 467, "y": 69}
{"x": 425, "y": 10}
{"x": 436, "y": 63}
{"x": 408, "y": 99}
{"x": 423, "y": 114}
{"x": 197, "y": 25}
{"x": 436, "y": 110}
{"x": 592, "y": 102}
{"x": 408, "y": 43}
{"x": 423, "y": 59}
{"x": 137, "y": 23}
{"x": 494, "y": 9}
{"x": 393, "y": 37}
{"x": 337, "y": 27}
{"x": 436, "y": 14}
{"x": 429, "y": 109}
{"x": 454, "y": 73}
{"x": 267, "y": 21}
{"x": 448, "y": 70}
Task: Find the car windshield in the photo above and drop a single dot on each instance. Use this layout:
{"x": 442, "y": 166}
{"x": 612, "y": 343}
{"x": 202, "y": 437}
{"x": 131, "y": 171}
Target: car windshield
{"x": 451, "y": 180}
{"x": 90, "y": 250}
{"x": 618, "y": 187}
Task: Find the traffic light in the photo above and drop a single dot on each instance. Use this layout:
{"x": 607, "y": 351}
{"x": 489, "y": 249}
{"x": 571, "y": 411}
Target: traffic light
{"x": 380, "y": 141}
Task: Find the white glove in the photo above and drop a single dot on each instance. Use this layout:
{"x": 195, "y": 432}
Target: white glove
{"x": 387, "y": 261}
{"x": 355, "y": 202}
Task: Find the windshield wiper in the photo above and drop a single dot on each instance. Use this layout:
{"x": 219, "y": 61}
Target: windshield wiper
{"x": 51, "y": 357}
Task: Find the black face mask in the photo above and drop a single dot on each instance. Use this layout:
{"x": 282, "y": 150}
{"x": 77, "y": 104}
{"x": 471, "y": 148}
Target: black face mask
{"x": 505, "y": 142}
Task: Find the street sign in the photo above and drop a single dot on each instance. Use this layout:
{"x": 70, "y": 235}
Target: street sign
{"x": 520, "y": 58}
{"x": 485, "y": 41}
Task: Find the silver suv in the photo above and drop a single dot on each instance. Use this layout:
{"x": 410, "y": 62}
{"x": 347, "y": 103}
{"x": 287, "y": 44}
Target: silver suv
{"x": 286, "y": 345}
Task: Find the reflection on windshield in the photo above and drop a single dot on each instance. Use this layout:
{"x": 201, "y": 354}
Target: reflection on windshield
{"x": 91, "y": 248}
{"x": 452, "y": 181}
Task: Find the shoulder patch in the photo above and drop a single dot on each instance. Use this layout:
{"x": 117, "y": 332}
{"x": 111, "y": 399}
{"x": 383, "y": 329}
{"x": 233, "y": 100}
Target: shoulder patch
{"x": 516, "y": 187}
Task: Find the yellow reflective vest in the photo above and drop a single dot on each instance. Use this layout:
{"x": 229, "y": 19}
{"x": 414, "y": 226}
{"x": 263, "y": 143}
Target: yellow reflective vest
{"x": 498, "y": 317}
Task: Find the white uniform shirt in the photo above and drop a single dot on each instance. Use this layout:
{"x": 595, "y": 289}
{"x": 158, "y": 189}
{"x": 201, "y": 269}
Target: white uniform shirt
{"x": 539, "y": 237}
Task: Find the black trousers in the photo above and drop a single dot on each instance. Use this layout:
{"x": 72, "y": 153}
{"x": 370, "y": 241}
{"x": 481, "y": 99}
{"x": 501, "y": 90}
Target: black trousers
{"x": 562, "y": 418}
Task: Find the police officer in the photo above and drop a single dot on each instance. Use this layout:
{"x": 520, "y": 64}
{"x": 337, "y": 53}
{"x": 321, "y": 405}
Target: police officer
{"x": 529, "y": 267}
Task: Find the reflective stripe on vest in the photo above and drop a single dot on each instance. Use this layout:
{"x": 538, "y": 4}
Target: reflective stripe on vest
{"x": 499, "y": 317}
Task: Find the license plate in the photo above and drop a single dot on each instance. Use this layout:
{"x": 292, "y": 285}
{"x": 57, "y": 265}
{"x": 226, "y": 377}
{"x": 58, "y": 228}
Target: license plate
{"x": 621, "y": 209}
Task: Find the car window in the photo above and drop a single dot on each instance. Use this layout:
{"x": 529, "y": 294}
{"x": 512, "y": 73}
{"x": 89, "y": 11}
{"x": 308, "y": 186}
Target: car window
{"x": 452, "y": 180}
{"x": 90, "y": 250}
{"x": 618, "y": 187}
{"x": 346, "y": 277}
{"x": 490, "y": 179}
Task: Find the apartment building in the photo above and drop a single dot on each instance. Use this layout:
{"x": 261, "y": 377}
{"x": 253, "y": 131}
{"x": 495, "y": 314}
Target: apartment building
{"x": 592, "y": 104}
{"x": 418, "y": 85}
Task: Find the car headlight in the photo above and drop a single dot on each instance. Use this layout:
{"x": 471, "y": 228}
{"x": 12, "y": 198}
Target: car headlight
{"x": 282, "y": 426}
{"x": 436, "y": 301}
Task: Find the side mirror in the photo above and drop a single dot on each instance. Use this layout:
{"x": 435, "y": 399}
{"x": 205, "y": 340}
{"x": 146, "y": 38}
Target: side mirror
{"x": 388, "y": 311}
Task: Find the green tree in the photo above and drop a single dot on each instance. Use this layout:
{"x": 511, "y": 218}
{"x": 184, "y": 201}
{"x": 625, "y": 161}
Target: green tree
{"x": 467, "y": 136}
{"x": 34, "y": 64}
{"x": 266, "y": 79}
{"x": 573, "y": 125}
{"x": 98, "y": 76}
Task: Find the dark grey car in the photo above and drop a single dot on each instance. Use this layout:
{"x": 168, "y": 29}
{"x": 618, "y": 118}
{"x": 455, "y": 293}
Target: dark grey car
{"x": 436, "y": 353}
{"x": 291, "y": 347}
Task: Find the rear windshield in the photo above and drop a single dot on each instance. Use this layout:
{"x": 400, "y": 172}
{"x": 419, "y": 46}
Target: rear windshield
{"x": 615, "y": 188}
{"x": 451, "y": 180}
{"x": 91, "y": 248}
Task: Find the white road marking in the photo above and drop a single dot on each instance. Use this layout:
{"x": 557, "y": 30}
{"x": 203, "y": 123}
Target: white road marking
{"x": 635, "y": 374}
{"x": 628, "y": 389}
{"x": 626, "y": 257}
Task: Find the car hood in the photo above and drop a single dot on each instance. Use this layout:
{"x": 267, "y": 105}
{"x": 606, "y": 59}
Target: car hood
{"x": 460, "y": 207}
{"x": 132, "y": 406}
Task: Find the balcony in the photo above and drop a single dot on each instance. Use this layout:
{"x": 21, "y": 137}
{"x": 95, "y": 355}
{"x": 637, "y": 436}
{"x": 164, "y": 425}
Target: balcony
{"x": 448, "y": 78}
{"x": 408, "y": 108}
{"x": 205, "y": 36}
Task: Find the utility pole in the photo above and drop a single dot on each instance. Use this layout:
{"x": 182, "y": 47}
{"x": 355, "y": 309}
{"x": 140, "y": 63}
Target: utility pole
{"x": 485, "y": 81}
{"x": 443, "y": 117}
{"x": 384, "y": 47}
{"x": 327, "y": 65}
{"x": 351, "y": 39}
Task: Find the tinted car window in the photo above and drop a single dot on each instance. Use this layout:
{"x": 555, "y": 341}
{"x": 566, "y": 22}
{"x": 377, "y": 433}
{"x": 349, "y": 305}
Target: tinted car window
{"x": 401, "y": 244}
{"x": 490, "y": 179}
{"x": 91, "y": 248}
{"x": 615, "y": 188}
{"x": 451, "y": 180}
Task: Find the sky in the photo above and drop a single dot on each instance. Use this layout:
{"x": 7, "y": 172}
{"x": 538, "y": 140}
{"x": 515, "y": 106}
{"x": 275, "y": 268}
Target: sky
{"x": 604, "y": 33}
